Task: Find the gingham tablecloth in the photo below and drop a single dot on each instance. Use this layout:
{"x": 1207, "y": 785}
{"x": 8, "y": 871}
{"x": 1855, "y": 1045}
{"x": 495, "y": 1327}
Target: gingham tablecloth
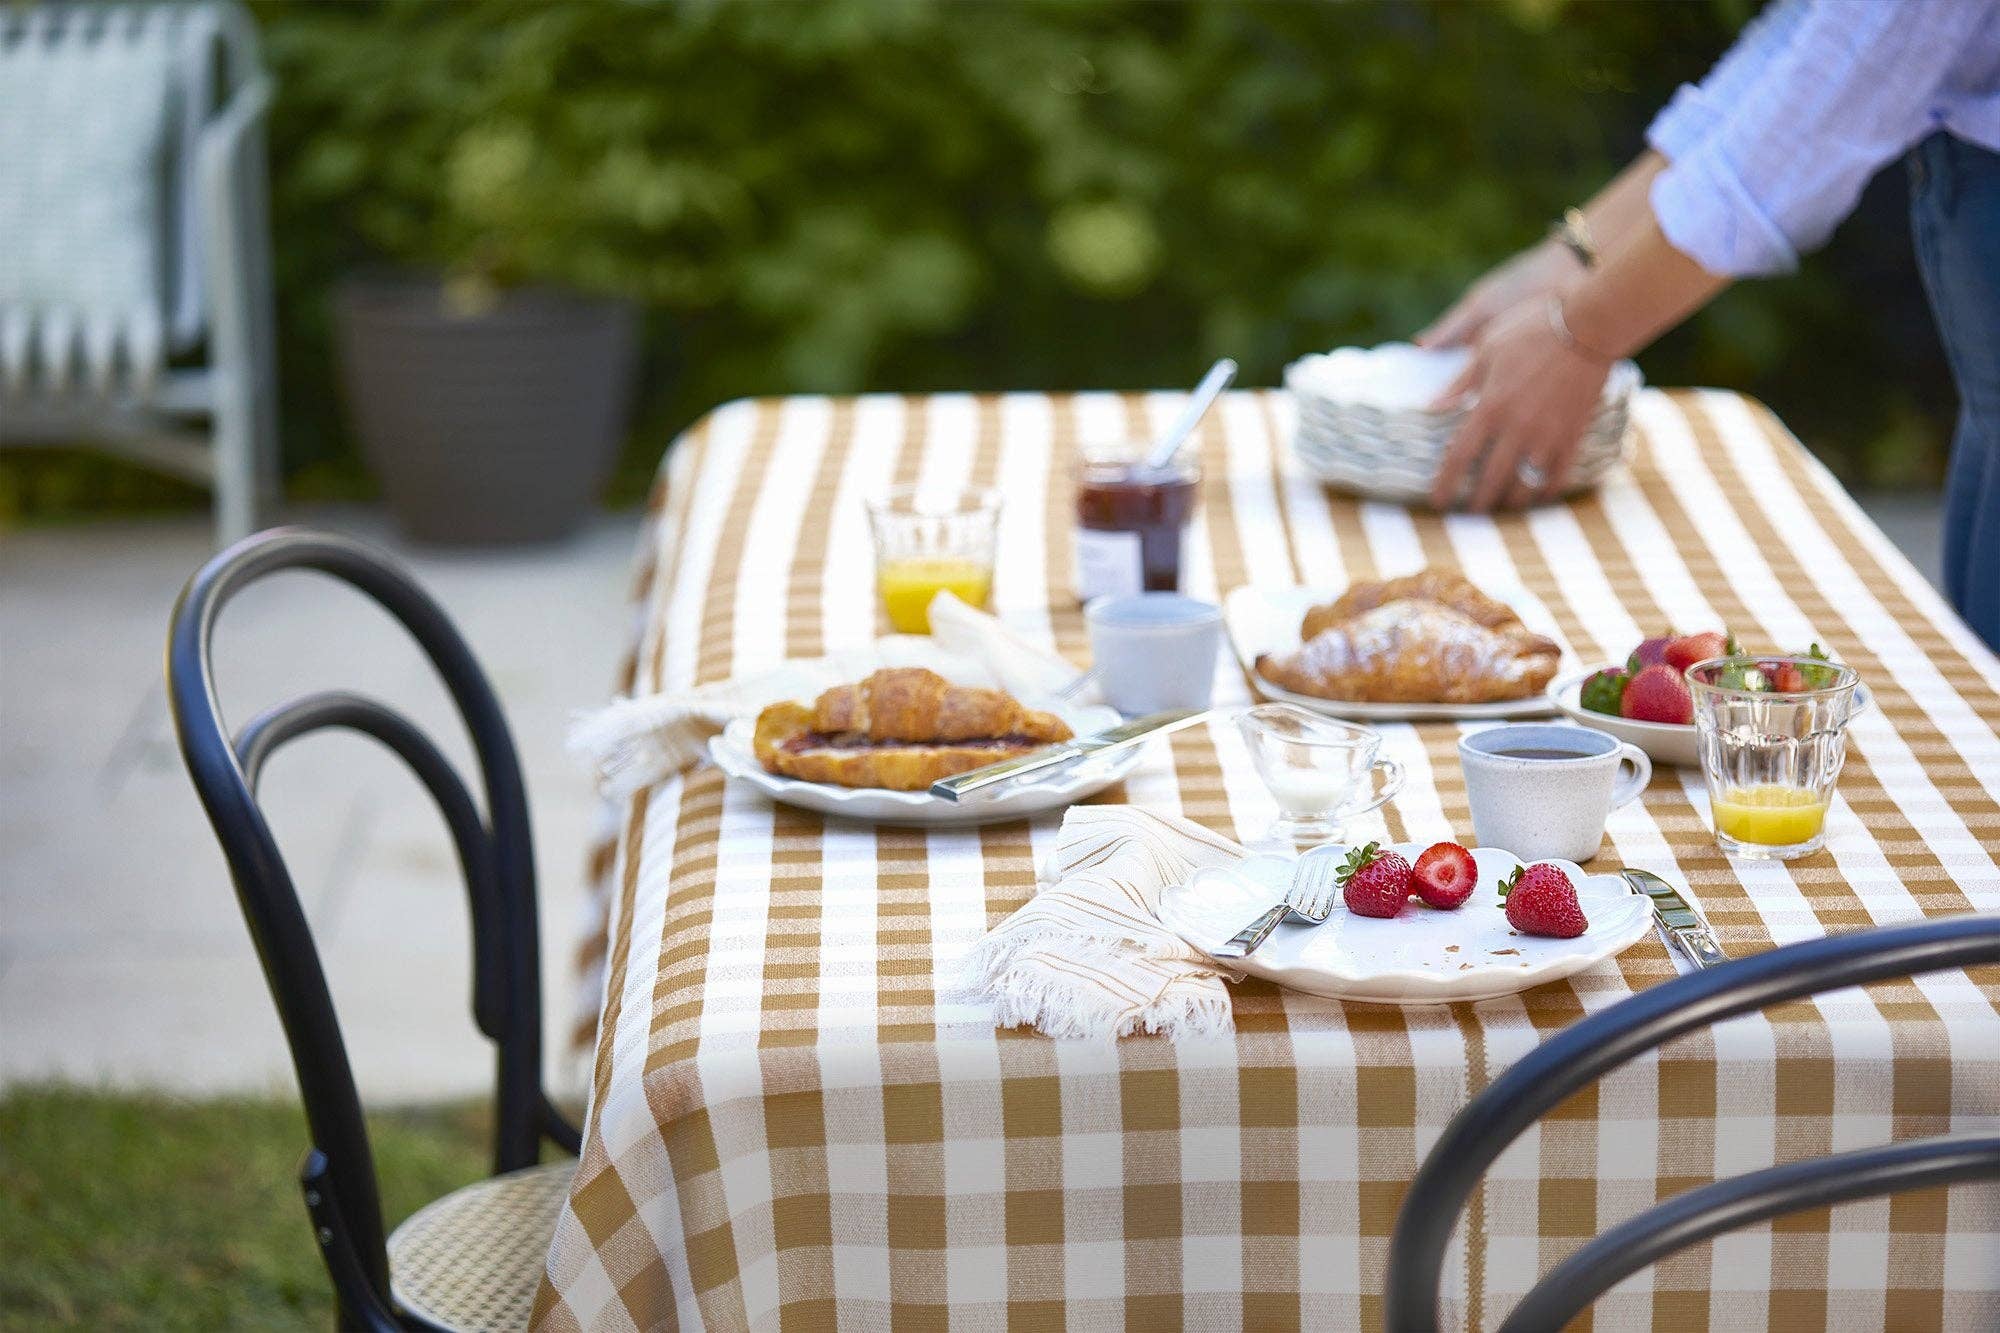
{"x": 798, "y": 1117}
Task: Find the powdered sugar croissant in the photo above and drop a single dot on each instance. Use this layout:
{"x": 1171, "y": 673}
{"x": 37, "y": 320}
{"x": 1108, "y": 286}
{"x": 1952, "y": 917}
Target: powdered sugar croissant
{"x": 1446, "y": 587}
{"x": 1409, "y": 651}
{"x": 902, "y": 728}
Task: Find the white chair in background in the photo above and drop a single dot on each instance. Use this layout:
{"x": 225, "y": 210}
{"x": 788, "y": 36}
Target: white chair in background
{"x": 135, "y": 268}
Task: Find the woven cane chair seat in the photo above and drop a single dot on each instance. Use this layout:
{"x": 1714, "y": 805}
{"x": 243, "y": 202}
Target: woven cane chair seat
{"x": 471, "y": 1260}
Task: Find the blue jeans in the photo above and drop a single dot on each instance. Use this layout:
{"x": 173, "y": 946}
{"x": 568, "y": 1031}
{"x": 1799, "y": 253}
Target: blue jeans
{"x": 1955, "y": 222}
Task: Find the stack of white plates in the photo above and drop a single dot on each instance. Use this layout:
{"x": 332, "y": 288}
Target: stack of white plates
{"x": 1364, "y": 422}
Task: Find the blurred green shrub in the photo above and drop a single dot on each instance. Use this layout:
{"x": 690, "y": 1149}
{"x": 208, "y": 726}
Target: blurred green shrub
{"x": 918, "y": 194}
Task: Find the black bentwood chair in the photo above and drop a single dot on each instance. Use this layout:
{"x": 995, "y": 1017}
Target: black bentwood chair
{"x": 471, "y": 1259}
{"x": 1587, "y": 1050}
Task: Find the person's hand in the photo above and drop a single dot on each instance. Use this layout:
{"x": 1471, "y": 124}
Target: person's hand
{"x": 1535, "y": 272}
{"x": 1535, "y": 395}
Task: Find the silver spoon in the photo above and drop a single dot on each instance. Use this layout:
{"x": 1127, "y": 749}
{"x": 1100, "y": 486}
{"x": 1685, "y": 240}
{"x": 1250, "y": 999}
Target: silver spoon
{"x": 1161, "y": 455}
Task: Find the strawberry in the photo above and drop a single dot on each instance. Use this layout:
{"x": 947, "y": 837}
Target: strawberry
{"x": 1657, "y": 694}
{"x": 1602, "y": 692}
{"x": 1787, "y": 678}
{"x": 1650, "y": 652}
{"x": 1685, "y": 651}
{"x": 1444, "y": 875}
{"x": 1374, "y": 882}
{"x": 1541, "y": 901}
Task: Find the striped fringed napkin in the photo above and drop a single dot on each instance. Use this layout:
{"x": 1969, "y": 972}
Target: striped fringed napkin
{"x": 634, "y": 743}
{"x": 1087, "y": 956}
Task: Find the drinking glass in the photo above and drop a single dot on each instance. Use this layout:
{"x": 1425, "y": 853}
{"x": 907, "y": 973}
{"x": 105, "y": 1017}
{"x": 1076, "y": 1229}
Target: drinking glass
{"x": 1320, "y": 771}
{"x": 928, "y": 540}
{"x": 1771, "y": 756}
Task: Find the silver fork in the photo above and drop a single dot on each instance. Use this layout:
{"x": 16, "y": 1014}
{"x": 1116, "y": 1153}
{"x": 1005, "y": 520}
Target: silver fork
{"x": 1315, "y": 884}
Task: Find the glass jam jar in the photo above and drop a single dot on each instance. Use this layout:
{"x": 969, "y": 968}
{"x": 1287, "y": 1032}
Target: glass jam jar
{"x": 1131, "y": 521}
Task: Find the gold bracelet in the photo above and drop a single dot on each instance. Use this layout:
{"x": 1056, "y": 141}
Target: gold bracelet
{"x": 1570, "y": 340}
{"x": 1574, "y": 233}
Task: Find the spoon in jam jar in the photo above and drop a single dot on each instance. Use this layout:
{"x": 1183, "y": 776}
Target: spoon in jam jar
{"x": 1218, "y": 378}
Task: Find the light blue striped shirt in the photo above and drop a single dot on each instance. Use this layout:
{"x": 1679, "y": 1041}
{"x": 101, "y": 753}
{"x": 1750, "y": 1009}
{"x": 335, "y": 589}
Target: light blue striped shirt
{"x": 1772, "y": 149}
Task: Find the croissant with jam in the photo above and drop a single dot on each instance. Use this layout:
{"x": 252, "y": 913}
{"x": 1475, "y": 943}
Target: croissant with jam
{"x": 902, "y": 728}
{"x": 1428, "y": 637}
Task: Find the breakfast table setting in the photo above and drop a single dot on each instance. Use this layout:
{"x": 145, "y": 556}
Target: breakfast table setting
{"x": 1069, "y": 856}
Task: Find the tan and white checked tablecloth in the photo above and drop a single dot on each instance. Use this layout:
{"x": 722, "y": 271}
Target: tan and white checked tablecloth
{"x": 798, "y": 1117}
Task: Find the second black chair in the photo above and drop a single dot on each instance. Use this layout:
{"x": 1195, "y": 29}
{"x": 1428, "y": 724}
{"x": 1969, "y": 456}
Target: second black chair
{"x": 1585, "y": 1051}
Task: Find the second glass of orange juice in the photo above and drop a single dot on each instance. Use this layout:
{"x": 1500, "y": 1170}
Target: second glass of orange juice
{"x": 930, "y": 540}
{"x": 1770, "y": 754}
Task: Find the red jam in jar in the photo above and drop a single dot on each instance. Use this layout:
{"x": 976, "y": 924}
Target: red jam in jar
{"x": 1131, "y": 521}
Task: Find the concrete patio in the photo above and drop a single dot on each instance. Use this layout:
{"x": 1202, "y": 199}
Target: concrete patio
{"x": 123, "y": 960}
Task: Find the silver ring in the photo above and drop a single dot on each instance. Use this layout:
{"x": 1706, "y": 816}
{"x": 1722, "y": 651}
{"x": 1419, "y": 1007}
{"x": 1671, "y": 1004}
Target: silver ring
{"x": 1530, "y": 476}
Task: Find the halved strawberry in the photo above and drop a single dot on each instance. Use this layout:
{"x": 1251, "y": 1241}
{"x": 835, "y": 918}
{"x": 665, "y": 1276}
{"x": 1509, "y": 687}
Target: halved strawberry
{"x": 1787, "y": 678}
{"x": 1444, "y": 875}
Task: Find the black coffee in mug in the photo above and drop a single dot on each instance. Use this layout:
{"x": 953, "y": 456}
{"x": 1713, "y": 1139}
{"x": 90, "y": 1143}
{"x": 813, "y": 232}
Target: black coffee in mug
{"x": 1542, "y": 791}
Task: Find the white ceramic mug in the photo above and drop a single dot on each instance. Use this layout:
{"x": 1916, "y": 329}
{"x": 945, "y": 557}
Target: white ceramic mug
{"x": 1543, "y": 792}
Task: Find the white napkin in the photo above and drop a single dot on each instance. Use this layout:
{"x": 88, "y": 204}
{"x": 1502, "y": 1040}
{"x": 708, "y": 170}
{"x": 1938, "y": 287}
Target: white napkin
{"x": 1087, "y": 956}
{"x": 635, "y": 742}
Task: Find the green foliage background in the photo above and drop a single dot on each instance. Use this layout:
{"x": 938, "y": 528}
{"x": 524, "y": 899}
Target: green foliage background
{"x": 918, "y": 194}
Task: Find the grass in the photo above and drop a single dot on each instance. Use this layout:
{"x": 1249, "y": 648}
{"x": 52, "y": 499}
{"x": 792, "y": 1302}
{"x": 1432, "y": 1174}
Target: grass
{"x": 147, "y": 1212}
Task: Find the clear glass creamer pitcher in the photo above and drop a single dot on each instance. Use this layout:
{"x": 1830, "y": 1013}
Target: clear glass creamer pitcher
{"x": 1322, "y": 772}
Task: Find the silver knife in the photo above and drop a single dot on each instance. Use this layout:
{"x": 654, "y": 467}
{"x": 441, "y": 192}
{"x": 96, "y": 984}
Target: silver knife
{"x": 1067, "y": 752}
{"x": 1677, "y": 919}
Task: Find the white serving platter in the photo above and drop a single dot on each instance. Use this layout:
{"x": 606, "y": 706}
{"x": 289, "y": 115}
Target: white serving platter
{"x": 1663, "y": 742}
{"x": 1423, "y": 956}
{"x": 734, "y": 753}
{"x": 1266, "y": 620}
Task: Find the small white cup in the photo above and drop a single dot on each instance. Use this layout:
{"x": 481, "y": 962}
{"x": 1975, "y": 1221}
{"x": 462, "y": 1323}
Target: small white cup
{"x": 1153, "y": 651}
{"x": 1549, "y": 806}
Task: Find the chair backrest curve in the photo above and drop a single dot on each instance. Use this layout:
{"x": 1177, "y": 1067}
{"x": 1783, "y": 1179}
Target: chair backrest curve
{"x": 1590, "y": 1048}
{"x": 497, "y": 854}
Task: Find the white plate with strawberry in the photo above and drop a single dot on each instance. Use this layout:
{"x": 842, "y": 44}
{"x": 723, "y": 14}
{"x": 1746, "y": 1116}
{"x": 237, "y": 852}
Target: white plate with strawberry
{"x": 1646, "y": 701}
{"x": 1395, "y": 940}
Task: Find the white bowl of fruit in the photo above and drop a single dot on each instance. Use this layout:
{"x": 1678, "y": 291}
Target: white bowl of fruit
{"x": 1646, "y": 701}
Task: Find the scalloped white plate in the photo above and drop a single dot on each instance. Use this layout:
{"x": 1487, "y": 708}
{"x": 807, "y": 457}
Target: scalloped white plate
{"x": 1423, "y": 956}
{"x": 1266, "y": 620}
{"x": 734, "y": 754}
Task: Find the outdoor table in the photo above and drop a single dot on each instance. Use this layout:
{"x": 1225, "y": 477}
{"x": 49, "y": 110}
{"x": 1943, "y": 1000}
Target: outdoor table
{"x": 798, "y": 1114}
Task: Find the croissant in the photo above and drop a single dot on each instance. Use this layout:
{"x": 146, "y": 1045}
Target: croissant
{"x": 1442, "y": 586}
{"x": 901, "y": 728}
{"x": 1415, "y": 652}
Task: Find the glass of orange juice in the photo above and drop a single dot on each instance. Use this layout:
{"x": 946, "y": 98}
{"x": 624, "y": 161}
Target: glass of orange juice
{"x": 1772, "y": 733}
{"x": 930, "y": 540}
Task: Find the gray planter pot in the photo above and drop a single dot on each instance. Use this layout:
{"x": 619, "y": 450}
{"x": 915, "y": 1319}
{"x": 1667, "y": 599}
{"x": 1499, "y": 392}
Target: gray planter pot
{"x": 491, "y": 428}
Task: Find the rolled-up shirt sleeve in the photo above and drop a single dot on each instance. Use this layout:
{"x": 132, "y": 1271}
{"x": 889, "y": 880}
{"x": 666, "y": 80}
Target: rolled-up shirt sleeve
{"x": 1843, "y": 90}
{"x": 1697, "y": 108}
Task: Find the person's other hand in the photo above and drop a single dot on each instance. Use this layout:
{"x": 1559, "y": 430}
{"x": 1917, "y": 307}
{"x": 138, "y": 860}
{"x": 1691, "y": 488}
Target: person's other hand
{"x": 1534, "y": 272}
{"x": 1535, "y": 394}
